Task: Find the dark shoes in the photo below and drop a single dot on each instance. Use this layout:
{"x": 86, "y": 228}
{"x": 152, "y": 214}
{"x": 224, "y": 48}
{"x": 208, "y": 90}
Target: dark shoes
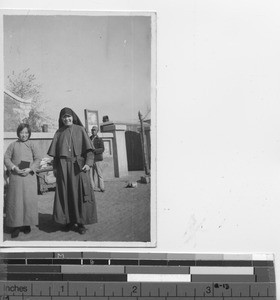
{"x": 75, "y": 227}
{"x": 81, "y": 229}
{"x": 26, "y": 229}
{"x": 15, "y": 232}
{"x": 69, "y": 226}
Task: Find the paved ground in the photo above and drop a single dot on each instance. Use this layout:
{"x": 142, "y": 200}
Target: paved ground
{"x": 123, "y": 215}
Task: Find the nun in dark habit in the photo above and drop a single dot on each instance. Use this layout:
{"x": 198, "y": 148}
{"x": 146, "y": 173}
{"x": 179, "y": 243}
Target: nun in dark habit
{"x": 74, "y": 202}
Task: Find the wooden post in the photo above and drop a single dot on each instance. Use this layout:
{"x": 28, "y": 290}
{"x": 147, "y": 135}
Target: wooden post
{"x": 144, "y": 145}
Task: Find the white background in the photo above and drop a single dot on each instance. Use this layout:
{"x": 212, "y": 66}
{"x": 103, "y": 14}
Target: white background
{"x": 218, "y": 121}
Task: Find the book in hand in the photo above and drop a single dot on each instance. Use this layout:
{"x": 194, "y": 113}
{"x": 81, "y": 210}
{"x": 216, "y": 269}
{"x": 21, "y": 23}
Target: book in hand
{"x": 24, "y": 164}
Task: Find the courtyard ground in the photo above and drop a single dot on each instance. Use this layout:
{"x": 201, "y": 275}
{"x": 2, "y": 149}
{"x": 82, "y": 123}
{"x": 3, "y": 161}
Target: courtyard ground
{"x": 123, "y": 215}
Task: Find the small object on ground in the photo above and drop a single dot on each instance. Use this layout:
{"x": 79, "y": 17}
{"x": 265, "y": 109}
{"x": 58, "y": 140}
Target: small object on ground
{"x": 131, "y": 184}
{"x": 145, "y": 179}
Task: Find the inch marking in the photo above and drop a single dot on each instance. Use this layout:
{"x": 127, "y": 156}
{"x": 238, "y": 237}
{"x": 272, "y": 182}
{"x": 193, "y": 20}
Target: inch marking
{"x": 133, "y": 297}
{"x": 189, "y": 289}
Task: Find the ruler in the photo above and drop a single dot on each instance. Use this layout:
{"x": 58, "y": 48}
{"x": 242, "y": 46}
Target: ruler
{"x": 129, "y": 276}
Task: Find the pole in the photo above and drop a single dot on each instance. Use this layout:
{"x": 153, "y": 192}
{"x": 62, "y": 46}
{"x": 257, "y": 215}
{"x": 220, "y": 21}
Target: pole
{"x": 144, "y": 145}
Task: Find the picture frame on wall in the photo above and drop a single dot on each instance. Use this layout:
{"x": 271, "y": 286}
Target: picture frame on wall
{"x": 91, "y": 119}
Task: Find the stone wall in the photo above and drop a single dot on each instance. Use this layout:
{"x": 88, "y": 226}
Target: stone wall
{"x": 113, "y": 135}
{"x": 43, "y": 141}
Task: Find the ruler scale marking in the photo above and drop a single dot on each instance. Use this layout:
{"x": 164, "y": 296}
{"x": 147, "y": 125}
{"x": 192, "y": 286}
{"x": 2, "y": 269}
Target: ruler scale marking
{"x": 136, "y": 276}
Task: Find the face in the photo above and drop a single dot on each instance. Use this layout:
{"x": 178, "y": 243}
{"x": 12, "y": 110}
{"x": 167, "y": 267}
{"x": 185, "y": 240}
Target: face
{"x": 24, "y": 135}
{"x": 67, "y": 120}
{"x": 94, "y": 131}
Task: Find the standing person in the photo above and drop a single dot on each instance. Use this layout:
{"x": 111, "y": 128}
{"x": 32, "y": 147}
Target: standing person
{"x": 96, "y": 174}
{"x": 22, "y": 159}
{"x": 74, "y": 202}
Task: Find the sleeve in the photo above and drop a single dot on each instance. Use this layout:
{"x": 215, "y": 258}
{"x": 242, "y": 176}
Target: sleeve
{"x": 52, "y": 148}
{"x": 100, "y": 148}
{"x": 36, "y": 158}
{"x": 89, "y": 158}
{"x": 55, "y": 162}
{"x": 8, "y": 157}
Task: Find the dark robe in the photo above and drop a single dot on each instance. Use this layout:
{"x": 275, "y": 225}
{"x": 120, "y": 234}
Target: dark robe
{"x": 74, "y": 198}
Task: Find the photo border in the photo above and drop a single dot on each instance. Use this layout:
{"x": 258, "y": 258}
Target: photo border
{"x": 153, "y": 191}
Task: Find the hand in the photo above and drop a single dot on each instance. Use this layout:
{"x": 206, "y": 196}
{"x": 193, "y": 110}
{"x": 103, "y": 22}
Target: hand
{"x": 85, "y": 168}
{"x": 17, "y": 170}
{"x": 25, "y": 172}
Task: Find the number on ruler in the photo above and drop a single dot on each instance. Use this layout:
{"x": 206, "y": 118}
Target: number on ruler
{"x": 134, "y": 289}
{"x": 208, "y": 289}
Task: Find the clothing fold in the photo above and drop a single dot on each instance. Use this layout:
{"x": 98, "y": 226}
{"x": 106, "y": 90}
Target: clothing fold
{"x": 74, "y": 199}
{"x": 21, "y": 201}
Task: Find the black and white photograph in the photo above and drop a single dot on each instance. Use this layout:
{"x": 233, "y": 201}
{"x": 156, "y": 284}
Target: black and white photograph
{"x": 152, "y": 125}
{"x": 79, "y": 107}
